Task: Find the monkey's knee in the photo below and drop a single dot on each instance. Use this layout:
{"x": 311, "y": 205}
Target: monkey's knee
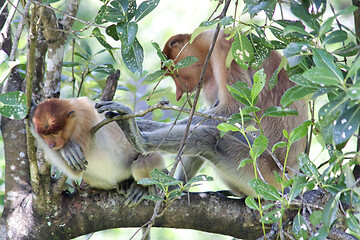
{"x": 144, "y": 164}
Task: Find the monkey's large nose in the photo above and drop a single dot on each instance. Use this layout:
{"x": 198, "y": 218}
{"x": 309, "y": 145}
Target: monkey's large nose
{"x": 52, "y": 144}
{"x": 179, "y": 94}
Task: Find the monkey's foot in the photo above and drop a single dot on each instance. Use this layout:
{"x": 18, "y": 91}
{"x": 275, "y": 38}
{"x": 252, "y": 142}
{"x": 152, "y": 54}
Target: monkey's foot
{"x": 112, "y": 106}
{"x": 134, "y": 192}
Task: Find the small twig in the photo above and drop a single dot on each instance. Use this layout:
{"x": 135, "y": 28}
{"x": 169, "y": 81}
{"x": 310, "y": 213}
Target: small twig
{"x": 19, "y": 30}
{"x": 7, "y": 24}
{"x": 161, "y": 105}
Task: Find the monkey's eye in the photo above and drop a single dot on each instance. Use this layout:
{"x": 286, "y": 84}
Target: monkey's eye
{"x": 56, "y": 133}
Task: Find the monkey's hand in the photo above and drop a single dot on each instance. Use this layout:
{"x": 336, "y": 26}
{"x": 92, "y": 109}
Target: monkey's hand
{"x": 74, "y": 156}
{"x": 111, "y": 107}
{"x": 128, "y": 126}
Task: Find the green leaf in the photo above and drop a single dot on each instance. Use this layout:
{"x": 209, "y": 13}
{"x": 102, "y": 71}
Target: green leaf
{"x": 185, "y": 62}
{"x": 101, "y": 38}
{"x": 336, "y": 37}
{"x": 114, "y": 13}
{"x": 287, "y": 98}
{"x": 47, "y": 2}
{"x": 299, "y": 132}
{"x": 332, "y": 110}
{"x": 250, "y": 109}
{"x": 296, "y": 52}
{"x": 352, "y": 222}
{"x": 133, "y": 59}
{"x": 350, "y": 49}
{"x": 316, "y": 217}
{"x": 145, "y": 8}
{"x": 5, "y": 65}
{"x": 279, "y": 145}
{"x": 159, "y": 51}
{"x": 349, "y": 177}
{"x": 225, "y": 127}
{"x": 354, "y": 69}
{"x": 323, "y": 59}
{"x": 279, "y": 112}
{"x": 242, "y": 51}
{"x": 321, "y": 234}
{"x": 322, "y": 76}
{"x": 299, "y": 227}
{"x": 148, "y": 182}
{"x": 297, "y": 187}
{"x": 104, "y": 68}
{"x": 161, "y": 176}
{"x": 273, "y": 216}
{"x": 267, "y": 191}
{"x": 326, "y": 27}
{"x": 175, "y": 193}
{"x": 245, "y": 161}
{"x": 241, "y": 92}
{"x": 152, "y": 77}
{"x": 255, "y": 7}
{"x": 127, "y": 34}
{"x": 258, "y": 85}
{"x": 330, "y": 214}
{"x": 307, "y": 166}
{"x": 153, "y": 198}
{"x": 274, "y": 78}
{"x": 13, "y": 105}
{"x": 200, "y": 178}
{"x": 346, "y": 125}
{"x": 259, "y": 146}
{"x": 251, "y": 203}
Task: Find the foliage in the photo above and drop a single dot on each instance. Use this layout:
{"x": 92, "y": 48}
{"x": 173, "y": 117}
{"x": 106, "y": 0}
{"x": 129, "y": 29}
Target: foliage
{"x": 171, "y": 187}
{"x": 316, "y": 72}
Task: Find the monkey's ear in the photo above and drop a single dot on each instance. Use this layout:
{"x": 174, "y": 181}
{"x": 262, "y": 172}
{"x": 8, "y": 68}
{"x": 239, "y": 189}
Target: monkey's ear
{"x": 179, "y": 40}
{"x": 71, "y": 114}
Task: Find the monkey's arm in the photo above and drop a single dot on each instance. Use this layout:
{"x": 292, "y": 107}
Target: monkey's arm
{"x": 202, "y": 142}
{"x": 73, "y": 156}
{"x": 150, "y": 126}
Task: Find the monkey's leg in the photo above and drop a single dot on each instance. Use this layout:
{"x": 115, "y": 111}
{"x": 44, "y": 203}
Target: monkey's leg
{"x": 188, "y": 167}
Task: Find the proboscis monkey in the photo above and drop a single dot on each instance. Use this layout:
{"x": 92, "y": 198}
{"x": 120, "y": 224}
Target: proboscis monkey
{"x": 216, "y": 93}
{"x": 62, "y": 129}
{"x": 205, "y": 143}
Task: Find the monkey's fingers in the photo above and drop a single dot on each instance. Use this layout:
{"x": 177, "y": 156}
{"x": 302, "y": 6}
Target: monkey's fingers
{"x": 77, "y": 153}
{"x": 112, "y": 106}
{"x": 134, "y": 194}
{"x": 74, "y": 157}
{"x": 70, "y": 160}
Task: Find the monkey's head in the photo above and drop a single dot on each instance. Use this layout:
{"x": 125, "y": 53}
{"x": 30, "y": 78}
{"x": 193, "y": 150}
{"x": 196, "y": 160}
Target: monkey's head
{"x": 186, "y": 79}
{"x": 54, "y": 121}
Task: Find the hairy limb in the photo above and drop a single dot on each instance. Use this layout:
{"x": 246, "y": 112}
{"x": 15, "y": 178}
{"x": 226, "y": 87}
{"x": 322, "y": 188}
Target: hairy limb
{"x": 74, "y": 156}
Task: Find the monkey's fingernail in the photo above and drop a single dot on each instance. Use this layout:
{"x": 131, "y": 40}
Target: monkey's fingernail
{"x": 110, "y": 114}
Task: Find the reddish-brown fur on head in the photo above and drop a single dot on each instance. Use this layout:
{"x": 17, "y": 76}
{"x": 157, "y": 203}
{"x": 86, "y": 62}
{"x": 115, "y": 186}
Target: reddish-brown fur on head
{"x": 185, "y": 79}
{"x": 54, "y": 121}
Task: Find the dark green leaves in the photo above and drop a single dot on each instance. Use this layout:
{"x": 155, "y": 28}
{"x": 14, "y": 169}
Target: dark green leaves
{"x": 124, "y": 29}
